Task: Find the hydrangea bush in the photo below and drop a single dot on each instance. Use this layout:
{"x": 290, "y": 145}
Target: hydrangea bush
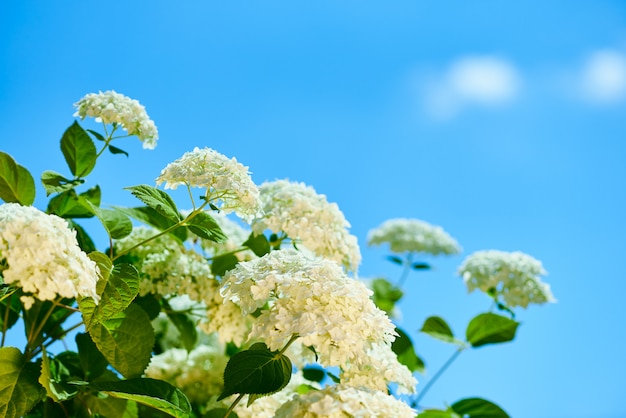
{"x": 244, "y": 304}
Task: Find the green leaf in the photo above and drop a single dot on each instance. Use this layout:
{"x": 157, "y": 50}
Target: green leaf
{"x": 404, "y": 349}
{"x": 157, "y": 200}
{"x": 10, "y": 301}
{"x": 258, "y": 244}
{"x": 16, "y": 183}
{"x": 79, "y": 150}
{"x": 54, "y": 182}
{"x": 84, "y": 240}
{"x": 395, "y": 259}
{"x": 420, "y": 266}
{"x": 149, "y": 304}
{"x": 116, "y": 223}
{"x": 438, "y": 413}
{"x": 121, "y": 287}
{"x": 222, "y": 263}
{"x": 102, "y": 405}
{"x": 314, "y": 374}
{"x": 385, "y": 295}
{"x": 186, "y": 327}
{"x": 97, "y": 135}
{"x": 151, "y": 217}
{"x": 92, "y": 361}
{"x": 438, "y": 328}
{"x": 54, "y": 378}
{"x": 256, "y": 371}
{"x": 19, "y": 386}
{"x": 154, "y": 393}
{"x": 478, "y": 408}
{"x": 71, "y": 205}
{"x": 203, "y": 225}
{"x": 116, "y": 150}
{"x": 125, "y": 340}
{"x": 489, "y": 328}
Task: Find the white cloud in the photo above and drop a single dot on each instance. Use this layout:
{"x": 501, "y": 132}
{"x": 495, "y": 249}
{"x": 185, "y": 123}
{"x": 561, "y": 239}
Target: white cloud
{"x": 603, "y": 79}
{"x": 469, "y": 81}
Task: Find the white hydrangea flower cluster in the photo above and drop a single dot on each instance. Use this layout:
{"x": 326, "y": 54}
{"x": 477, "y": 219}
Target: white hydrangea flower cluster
{"x": 228, "y": 182}
{"x": 413, "y": 235}
{"x": 266, "y": 406}
{"x": 513, "y": 275}
{"x": 314, "y": 299}
{"x": 199, "y": 373}
{"x": 341, "y": 401}
{"x": 40, "y": 254}
{"x": 224, "y": 317}
{"x": 166, "y": 266}
{"x": 112, "y": 107}
{"x": 309, "y": 219}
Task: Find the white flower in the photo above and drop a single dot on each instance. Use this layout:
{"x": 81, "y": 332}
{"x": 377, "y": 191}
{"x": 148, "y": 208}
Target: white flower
{"x": 227, "y": 182}
{"x": 199, "y": 373}
{"x": 309, "y": 219}
{"x": 166, "y": 266}
{"x": 341, "y": 402}
{"x": 115, "y": 108}
{"x": 42, "y": 256}
{"x": 513, "y": 275}
{"x": 413, "y": 235}
{"x": 311, "y": 298}
{"x": 266, "y": 406}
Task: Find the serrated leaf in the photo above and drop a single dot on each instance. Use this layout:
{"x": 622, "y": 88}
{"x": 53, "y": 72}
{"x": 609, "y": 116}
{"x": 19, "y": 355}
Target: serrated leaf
{"x": 489, "y": 328}
{"x": 404, "y": 349}
{"x": 157, "y": 200}
{"x": 154, "y": 393}
{"x": 478, "y": 408}
{"x": 256, "y": 371}
{"x": 54, "y": 378}
{"x": 19, "y": 386}
{"x": 222, "y": 263}
{"x": 54, "y": 182}
{"x": 92, "y": 361}
{"x": 125, "y": 340}
{"x": 258, "y": 244}
{"x": 71, "y": 205}
{"x": 16, "y": 183}
{"x": 153, "y": 218}
{"x": 203, "y": 225}
{"x": 116, "y": 150}
{"x": 79, "y": 150}
{"x": 116, "y": 223}
{"x": 438, "y": 328}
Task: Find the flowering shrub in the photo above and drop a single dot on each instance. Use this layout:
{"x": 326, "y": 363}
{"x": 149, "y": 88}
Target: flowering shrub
{"x": 187, "y": 313}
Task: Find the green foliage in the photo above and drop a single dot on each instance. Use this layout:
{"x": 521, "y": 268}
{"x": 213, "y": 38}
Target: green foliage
{"x": 489, "y": 328}
{"x": 91, "y": 360}
{"x": 478, "y": 408}
{"x": 19, "y": 386}
{"x": 203, "y": 225}
{"x": 116, "y": 222}
{"x": 438, "y": 328}
{"x": 54, "y": 182}
{"x": 79, "y": 150}
{"x": 69, "y": 204}
{"x": 438, "y": 413}
{"x": 150, "y": 392}
{"x": 16, "y": 183}
{"x": 126, "y": 340}
{"x": 404, "y": 349}
{"x": 258, "y": 244}
{"x": 157, "y": 200}
{"x": 222, "y": 263}
{"x": 55, "y": 373}
{"x": 314, "y": 374}
{"x": 386, "y": 295}
{"x": 153, "y": 218}
{"x": 256, "y": 371}
{"x": 9, "y": 301}
{"x": 185, "y": 326}
{"x": 219, "y": 413}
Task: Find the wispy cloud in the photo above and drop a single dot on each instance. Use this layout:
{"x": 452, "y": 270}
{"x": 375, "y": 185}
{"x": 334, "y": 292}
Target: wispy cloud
{"x": 603, "y": 77}
{"x": 486, "y": 81}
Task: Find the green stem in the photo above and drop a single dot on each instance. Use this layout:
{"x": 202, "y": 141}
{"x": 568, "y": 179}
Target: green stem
{"x": 406, "y": 271}
{"x": 228, "y": 253}
{"x": 234, "y": 404}
{"x": 291, "y": 340}
{"x": 34, "y": 332}
{"x": 165, "y": 231}
{"x": 436, "y": 376}
{"x": 6, "y": 319}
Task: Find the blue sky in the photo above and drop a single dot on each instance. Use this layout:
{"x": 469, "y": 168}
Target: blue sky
{"x": 501, "y": 122}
